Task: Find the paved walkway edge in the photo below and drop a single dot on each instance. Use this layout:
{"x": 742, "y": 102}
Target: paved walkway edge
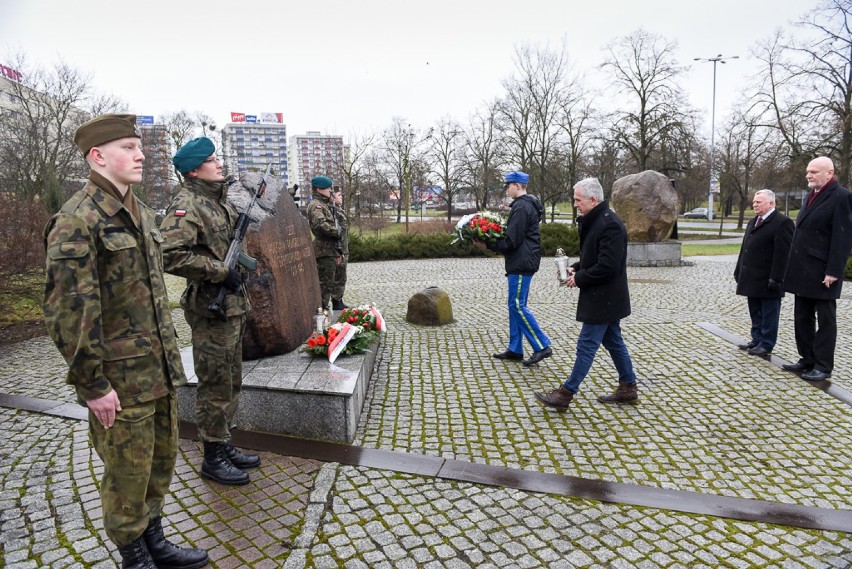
{"x": 611, "y": 492}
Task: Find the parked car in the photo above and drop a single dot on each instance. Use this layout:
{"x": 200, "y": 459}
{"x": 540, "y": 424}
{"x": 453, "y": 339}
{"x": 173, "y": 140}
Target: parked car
{"x": 697, "y": 213}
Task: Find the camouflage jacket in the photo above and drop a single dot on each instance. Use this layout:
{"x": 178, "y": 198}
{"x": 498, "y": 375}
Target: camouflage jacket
{"x": 105, "y": 302}
{"x": 327, "y": 236}
{"x": 198, "y": 229}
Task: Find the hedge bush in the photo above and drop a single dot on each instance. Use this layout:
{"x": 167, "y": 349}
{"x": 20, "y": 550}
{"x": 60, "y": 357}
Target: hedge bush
{"x": 437, "y": 245}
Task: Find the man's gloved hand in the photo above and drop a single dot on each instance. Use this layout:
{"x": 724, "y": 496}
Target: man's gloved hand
{"x": 773, "y": 286}
{"x": 233, "y": 281}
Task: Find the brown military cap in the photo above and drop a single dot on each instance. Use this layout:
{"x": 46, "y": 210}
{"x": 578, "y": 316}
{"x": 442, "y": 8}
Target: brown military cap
{"x": 105, "y": 128}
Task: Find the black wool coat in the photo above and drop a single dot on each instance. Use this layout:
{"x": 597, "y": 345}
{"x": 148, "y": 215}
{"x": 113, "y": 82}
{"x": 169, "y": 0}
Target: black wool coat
{"x": 821, "y": 244}
{"x": 601, "y": 273}
{"x": 763, "y": 256}
{"x": 522, "y": 242}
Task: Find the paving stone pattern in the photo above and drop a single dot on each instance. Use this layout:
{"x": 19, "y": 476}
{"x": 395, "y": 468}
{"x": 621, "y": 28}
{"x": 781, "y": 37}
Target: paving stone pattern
{"x": 711, "y": 419}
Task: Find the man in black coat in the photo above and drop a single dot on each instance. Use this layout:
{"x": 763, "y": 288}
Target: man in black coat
{"x": 818, "y": 254}
{"x": 760, "y": 270}
{"x": 601, "y": 276}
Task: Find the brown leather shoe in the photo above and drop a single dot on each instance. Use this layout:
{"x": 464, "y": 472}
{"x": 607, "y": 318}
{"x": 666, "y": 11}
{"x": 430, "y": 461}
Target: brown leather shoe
{"x": 626, "y": 393}
{"x": 559, "y": 398}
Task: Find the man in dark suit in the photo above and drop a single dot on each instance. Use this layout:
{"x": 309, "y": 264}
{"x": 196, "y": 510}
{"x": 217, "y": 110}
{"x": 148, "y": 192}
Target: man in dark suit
{"x": 760, "y": 270}
{"x": 821, "y": 245}
{"x": 601, "y": 276}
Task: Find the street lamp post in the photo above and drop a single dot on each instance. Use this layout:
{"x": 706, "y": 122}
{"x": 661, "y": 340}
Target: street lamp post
{"x": 714, "y": 182}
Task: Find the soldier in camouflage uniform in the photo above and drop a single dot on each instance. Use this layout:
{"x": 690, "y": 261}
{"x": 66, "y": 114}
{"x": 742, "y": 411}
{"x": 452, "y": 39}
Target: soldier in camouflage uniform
{"x": 198, "y": 228}
{"x": 107, "y": 311}
{"x": 328, "y": 247}
{"x": 338, "y": 286}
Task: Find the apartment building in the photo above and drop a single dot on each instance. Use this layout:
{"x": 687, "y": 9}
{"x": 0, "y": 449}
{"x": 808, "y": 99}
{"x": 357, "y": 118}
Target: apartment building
{"x": 315, "y": 154}
{"x": 158, "y": 176}
{"x": 250, "y": 146}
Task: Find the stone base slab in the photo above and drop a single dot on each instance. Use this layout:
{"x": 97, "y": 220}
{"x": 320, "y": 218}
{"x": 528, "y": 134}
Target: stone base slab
{"x": 295, "y": 394}
{"x": 660, "y": 254}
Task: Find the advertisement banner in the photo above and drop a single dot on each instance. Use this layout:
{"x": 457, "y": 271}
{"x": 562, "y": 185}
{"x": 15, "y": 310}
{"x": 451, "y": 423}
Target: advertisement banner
{"x": 10, "y": 73}
{"x": 272, "y": 117}
{"x": 251, "y": 118}
{"x": 144, "y": 119}
{"x": 238, "y": 117}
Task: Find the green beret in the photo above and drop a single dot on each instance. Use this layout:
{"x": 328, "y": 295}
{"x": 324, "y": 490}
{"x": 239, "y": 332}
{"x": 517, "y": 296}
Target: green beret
{"x": 103, "y": 129}
{"x": 321, "y": 182}
{"x": 193, "y": 154}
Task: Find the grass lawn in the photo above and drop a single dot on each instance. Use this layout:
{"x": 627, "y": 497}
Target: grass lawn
{"x": 22, "y": 300}
{"x": 692, "y": 250}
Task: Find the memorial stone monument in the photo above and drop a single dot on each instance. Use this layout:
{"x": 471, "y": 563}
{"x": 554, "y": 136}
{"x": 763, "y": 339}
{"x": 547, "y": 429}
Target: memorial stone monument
{"x": 648, "y": 204}
{"x": 284, "y": 290}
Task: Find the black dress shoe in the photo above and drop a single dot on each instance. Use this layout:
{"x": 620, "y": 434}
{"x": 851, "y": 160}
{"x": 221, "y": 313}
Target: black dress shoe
{"x": 508, "y": 355}
{"x": 759, "y": 351}
{"x": 748, "y": 346}
{"x": 815, "y": 375}
{"x": 538, "y": 356}
{"x": 798, "y": 366}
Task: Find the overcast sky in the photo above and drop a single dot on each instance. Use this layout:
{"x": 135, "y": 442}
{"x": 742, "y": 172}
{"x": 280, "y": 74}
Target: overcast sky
{"x": 343, "y": 66}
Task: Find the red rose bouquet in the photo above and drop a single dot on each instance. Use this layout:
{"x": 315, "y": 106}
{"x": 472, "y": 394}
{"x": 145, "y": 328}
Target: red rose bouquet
{"x": 484, "y": 226}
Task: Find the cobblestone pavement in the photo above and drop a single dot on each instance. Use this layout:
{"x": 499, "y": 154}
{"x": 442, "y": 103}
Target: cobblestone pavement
{"x": 711, "y": 420}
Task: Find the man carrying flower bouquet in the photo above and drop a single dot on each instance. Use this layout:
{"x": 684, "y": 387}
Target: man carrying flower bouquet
{"x": 521, "y": 247}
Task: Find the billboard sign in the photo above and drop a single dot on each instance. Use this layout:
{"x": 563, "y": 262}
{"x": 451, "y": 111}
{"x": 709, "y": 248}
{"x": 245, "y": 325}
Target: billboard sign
{"x": 272, "y": 117}
{"x": 238, "y": 117}
{"x": 250, "y": 118}
{"x": 144, "y": 119}
{"x": 714, "y": 186}
{"x": 10, "y": 73}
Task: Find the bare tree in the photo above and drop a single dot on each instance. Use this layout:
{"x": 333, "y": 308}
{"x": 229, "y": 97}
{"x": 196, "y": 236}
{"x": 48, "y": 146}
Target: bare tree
{"x": 644, "y": 69}
{"x": 806, "y": 86}
{"x": 446, "y": 153}
{"x": 401, "y": 144}
{"x": 354, "y": 167}
{"x": 38, "y": 157}
{"x": 485, "y": 154}
{"x": 530, "y": 112}
{"x": 744, "y": 143}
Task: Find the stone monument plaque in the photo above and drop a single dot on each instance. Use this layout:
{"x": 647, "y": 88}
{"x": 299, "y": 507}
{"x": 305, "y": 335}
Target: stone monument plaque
{"x": 284, "y": 290}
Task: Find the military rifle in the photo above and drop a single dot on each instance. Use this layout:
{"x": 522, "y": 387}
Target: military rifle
{"x": 235, "y": 254}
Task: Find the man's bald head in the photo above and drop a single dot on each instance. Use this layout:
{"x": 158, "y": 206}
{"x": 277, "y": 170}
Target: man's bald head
{"x": 820, "y": 172}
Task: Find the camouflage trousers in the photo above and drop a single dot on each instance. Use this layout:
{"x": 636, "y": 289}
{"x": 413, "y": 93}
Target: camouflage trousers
{"x": 326, "y": 270}
{"x": 217, "y": 352}
{"x": 139, "y": 453}
{"x": 339, "y": 284}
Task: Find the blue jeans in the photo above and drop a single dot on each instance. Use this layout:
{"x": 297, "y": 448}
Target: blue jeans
{"x": 522, "y": 323}
{"x": 591, "y": 338}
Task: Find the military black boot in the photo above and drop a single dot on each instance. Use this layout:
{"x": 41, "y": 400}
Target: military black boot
{"x": 216, "y": 466}
{"x": 166, "y": 554}
{"x": 135, "y": 556}
{"x": 240, "y": 459}
{"x": 338, "y": 304}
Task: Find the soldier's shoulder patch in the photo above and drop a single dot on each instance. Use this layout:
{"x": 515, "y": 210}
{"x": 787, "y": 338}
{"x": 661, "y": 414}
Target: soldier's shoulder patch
{"x": 180, "y": 213}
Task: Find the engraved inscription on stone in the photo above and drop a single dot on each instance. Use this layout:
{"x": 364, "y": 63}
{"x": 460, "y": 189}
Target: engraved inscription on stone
{"x": 284, "y": 289}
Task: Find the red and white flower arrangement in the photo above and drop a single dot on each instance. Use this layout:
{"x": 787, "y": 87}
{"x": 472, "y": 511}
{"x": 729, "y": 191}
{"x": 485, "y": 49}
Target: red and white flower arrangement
{"x": 485, "y": 226}
{"x": 354, "y": 331}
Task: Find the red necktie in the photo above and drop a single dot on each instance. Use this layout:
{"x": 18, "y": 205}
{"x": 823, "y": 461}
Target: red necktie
{"x": 811, "y": 199}
{"x": 759, "y": 221}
